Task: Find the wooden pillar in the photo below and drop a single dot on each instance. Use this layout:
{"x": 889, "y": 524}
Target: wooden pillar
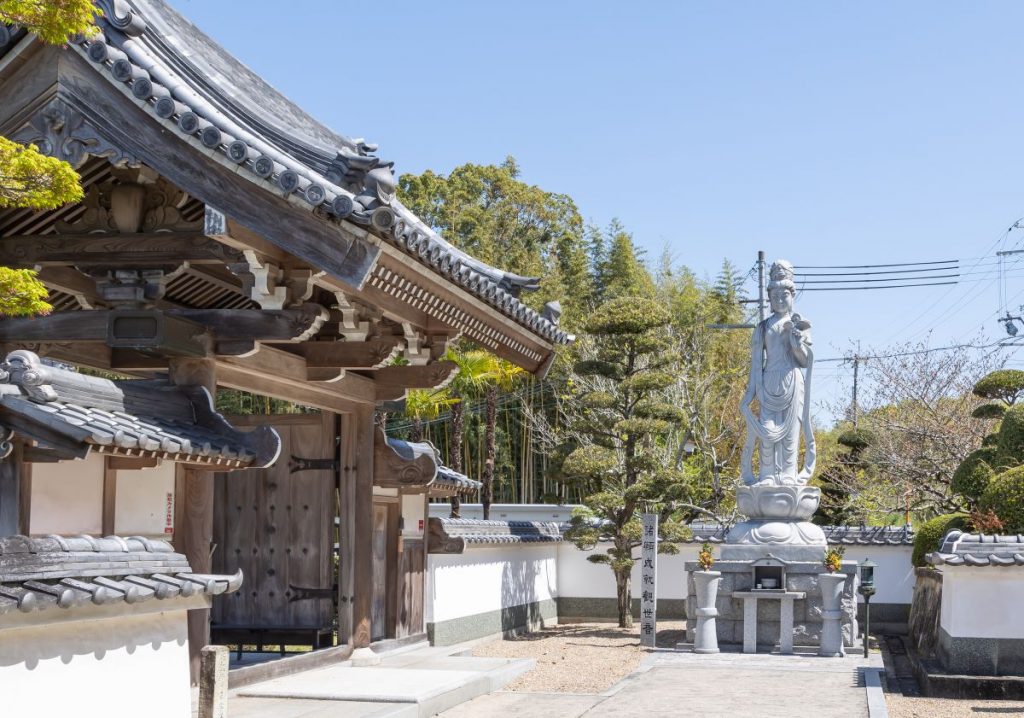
{"x": 11, "y": 520}
{"x": 346, "y": 538}
{"x": 362, "y": 545}
{"x": 193, "y": 509}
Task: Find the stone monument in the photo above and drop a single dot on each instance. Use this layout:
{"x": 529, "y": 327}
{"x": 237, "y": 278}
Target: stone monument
{"x": 770, "y": 561}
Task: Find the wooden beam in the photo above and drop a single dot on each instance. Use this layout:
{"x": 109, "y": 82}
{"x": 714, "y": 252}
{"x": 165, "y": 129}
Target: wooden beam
{"x": 10, "y": 492}
{"x": 393, "y": 381}
{"x": 371, "y": 354}
{"x": 273, "y": 367}
{"x": 226, "y": 325}
{"x": 114, "y": 250}
{"x": 109, "y": 495}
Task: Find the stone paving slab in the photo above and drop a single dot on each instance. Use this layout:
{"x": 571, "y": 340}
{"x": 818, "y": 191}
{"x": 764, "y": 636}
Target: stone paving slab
{"x": 726, "y": 685}
{"x": 242, "y": 707}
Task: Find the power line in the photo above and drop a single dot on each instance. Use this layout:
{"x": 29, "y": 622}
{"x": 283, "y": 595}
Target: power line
{"x": 887, "y": 279}
{"x": 881, "y": 286}
{"x": 852, "y": 274}
{"x": 873, "y": 266}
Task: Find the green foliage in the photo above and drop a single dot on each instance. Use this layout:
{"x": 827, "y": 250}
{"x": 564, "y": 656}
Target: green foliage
{"x": 30, "y": 179}
{"x": 989, "y": 411}
{"x": 1010, "y": 445}
{"x": 929, "y": 535}
{"x": 21, "y": 294}
{"x": 974, "y": 474}
{"x": 630, "y": 316}
{"x": 659, "y": 410}
{"x": 1005, "y": 497}
{"x": 990, "y": 440}
{"x": 488, "y": 211}
{"x": 54, "y": 21}
{"x": 855, "y": 438}
{"x": 1005, "y": 385}
{"x": 590, "y": 462}
{"x": 597, "y": 400}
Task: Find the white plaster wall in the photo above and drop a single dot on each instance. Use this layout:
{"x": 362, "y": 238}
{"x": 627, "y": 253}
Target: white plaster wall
{"x": 982, "y": 602}
{"x": 579, "y": 578}
{"x": 111, "y": 666}
{"x": 413, "y": 511}
{"x": 142, "y": 500}
{"x": 894, "y": 577}
{"x": 67, "y": 496}
{"x": 507, "y": 512}
{"x": 488, "y": 579}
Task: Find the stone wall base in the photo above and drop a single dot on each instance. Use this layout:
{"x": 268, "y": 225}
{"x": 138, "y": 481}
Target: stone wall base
{"x": 517, "y": 619}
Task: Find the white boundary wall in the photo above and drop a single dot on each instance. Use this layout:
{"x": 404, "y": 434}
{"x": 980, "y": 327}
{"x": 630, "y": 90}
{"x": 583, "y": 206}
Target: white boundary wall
{"x": 492, "y": 588}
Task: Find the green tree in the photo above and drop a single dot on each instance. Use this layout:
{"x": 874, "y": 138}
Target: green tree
{"x": 617, "y": 415}
{"x": 28, "y": 178}
{"x": 501, "y": 377}
{"x": 425, "y": 404}
{"x": 474, "y": 371}
{"x": 489, "y": 212}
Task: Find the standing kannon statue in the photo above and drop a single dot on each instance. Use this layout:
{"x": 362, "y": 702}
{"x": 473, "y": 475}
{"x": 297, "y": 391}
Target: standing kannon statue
{"x": 780, "y": 380}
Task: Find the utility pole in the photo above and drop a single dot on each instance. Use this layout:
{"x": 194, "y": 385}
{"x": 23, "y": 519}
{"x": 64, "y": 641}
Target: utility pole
{"x": 857, "y": 359}
{"x": 762, "y": 293}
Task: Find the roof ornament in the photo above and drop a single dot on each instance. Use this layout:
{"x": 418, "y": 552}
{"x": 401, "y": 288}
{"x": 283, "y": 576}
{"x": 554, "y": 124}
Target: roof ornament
{"x": 120, "y": 15}
{"x": 25, "y": 369}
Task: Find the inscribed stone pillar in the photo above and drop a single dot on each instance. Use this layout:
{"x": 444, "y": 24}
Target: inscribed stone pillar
{"x": 193, "y": 498}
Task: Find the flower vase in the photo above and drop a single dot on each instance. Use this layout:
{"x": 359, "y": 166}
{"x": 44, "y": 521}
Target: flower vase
{"x": 831, "y": 585}
{"x": 705, "y": 637}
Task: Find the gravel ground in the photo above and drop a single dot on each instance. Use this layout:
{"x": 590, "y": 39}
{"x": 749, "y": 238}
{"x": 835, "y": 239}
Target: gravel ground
{"x": 578, "y": 657}
{"x": 906, "y": 707}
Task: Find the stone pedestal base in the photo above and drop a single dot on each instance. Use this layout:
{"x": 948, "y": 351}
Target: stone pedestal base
{"x": 801, "y": 576}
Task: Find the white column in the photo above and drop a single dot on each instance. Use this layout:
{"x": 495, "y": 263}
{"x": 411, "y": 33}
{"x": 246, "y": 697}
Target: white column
{"x": 750, "y": 624}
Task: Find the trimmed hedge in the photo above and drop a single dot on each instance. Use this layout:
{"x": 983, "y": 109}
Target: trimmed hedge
{"x": 974, "y": 473}
{"x": 929, "y": 537}
{"x": 1011, "y": 439}
{"x": 1005, "y": 497}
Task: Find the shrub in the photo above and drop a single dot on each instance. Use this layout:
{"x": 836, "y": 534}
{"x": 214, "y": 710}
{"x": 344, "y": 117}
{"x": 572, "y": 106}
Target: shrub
{"x": 1003, "y": 385}
{"x": 1010, "y": 445}
{"x": 929, "y": 537}
{"x": 1005, "y": 497}
{"x": 989, "y": 411}
{"x": 855, "y": 438}
{"x": 974, "y": 473}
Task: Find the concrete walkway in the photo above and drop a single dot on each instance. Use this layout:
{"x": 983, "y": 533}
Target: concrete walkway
{"x": 415, "y": 683}
{"x": 722, "y": 686}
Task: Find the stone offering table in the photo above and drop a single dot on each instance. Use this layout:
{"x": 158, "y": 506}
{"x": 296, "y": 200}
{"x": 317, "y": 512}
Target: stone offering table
{"x": 785, "y": 599}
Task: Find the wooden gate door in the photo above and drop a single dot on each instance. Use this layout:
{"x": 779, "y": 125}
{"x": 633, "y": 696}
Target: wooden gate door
{"x": 277, "y": 525}
{"x": 379, "y": 607}
{"x": 410, "y": 588}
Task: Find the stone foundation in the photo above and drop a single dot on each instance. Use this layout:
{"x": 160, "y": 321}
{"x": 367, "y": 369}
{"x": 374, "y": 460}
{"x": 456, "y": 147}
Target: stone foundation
{"x": 800, "y": 576}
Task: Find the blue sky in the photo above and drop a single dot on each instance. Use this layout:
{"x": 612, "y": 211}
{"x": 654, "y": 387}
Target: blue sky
{"x": 830, "y": 133}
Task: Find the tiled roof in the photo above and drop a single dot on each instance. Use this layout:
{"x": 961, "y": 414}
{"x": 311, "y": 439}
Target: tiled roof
{"x": 963, "y": 549}
{"x": 130, "y": 417}
{"x": 37, "y": 574}
{"x": 452, "y": 535}
{"x": 836, "y": 535}
{"x": 453, "y": 482}
{"x": 193, "y": 86}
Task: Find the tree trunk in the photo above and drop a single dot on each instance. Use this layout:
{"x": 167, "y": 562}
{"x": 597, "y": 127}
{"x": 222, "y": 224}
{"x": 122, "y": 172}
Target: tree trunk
{"x": 455, "y": 451}
{"x": 625, "y": 598}
{"x": 487, "y": 492}
{"x": 416, "y": 434}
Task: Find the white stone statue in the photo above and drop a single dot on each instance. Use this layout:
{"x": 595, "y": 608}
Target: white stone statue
{"x": 780, "y": 355}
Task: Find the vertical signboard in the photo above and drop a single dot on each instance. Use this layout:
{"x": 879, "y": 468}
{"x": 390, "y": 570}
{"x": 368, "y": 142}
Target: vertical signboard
{"x": 648, "y": 580}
